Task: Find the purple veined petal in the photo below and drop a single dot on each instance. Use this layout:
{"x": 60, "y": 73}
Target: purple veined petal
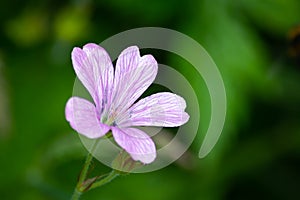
{"x": 83, "y": 118}
{"x": 135, "y": 142}
{"x": 163, "y": 109}
{"x": 133, "y": 75}
{"x": 94, "y": 69}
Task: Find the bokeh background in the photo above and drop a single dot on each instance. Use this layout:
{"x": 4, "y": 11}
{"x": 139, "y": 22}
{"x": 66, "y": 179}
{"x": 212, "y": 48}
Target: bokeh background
{"x": 258, "y": 154}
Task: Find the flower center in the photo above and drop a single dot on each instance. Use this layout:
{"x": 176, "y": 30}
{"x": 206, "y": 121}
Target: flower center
{"x": 110, "y": 119}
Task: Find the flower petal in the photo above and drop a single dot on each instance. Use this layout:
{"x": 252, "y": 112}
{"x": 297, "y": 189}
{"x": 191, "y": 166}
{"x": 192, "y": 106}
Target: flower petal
{"x": 163, "y": 109}
{"x": 135, "y": 142}
{"x": 133, "y": 75}
{"x": 94, "y": 68}
{"x": 83, "y": 118}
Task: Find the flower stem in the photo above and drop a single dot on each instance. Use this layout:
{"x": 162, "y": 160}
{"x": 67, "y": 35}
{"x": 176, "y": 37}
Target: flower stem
{"x": 78, "y": 191}
{"x": 76, "y": 194}
{"x": 85, "y": 184}
{"x": 112, "y": 175}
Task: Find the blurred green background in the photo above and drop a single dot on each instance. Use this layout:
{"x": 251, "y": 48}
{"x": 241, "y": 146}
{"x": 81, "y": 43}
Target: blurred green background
{"x": 258, "y": 154}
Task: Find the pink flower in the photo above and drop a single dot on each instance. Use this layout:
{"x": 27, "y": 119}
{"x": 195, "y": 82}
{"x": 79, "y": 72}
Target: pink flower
{"x": 115, "y": 94}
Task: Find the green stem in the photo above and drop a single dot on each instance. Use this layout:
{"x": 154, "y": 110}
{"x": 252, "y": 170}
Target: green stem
{"x": 76, "y": 194}
{"x": 81, "y": 185}
{"x": 77, "y": 191}
{"x": 112, "y": 175}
